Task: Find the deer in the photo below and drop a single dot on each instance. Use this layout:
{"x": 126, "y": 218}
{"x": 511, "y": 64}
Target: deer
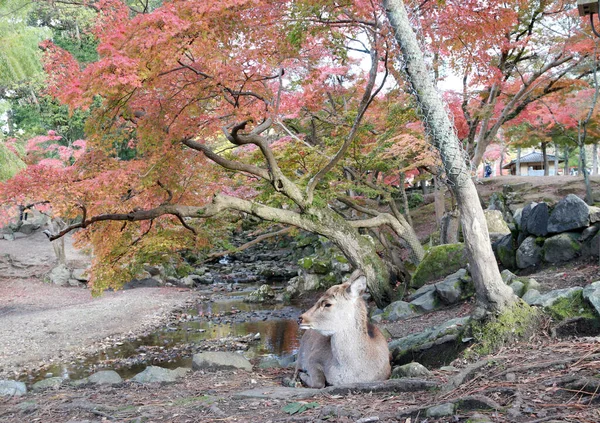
{"x": 340, "y": 345}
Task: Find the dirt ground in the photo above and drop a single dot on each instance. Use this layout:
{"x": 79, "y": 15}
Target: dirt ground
{"x": 40, "y": 321}
{"x": 541, "y": 380}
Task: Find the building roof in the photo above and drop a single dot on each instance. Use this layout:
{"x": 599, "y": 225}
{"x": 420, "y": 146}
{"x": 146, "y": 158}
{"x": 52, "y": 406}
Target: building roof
{"x": 533, "y": 157}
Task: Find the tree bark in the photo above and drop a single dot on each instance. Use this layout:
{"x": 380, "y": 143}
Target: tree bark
{"x": 595, "y": 159}
{"x": 556, "y": 164}
{"x": 545, "y": 157}
{"x": 518, "y": 162}
{"x": 492, "y": 294}
{"x": 439, "y": 201}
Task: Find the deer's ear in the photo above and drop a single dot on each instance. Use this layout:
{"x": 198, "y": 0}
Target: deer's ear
{"x": 358, "y": 286}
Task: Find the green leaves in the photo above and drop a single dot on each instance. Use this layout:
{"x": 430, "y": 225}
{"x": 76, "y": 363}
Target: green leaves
{"x": 299, "y": 407}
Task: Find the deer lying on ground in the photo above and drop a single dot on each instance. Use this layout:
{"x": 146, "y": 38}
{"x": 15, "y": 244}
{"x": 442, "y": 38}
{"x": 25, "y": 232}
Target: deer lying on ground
{"x": 340, "y": 346}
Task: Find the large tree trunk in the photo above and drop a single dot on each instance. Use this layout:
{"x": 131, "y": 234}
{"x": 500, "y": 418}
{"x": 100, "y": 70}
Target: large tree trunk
{"x": 358, "y": 249}
{"x": 492, "y": 293}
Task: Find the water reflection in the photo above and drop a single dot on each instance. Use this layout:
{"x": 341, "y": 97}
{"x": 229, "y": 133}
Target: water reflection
{"x": 278, "y": 338}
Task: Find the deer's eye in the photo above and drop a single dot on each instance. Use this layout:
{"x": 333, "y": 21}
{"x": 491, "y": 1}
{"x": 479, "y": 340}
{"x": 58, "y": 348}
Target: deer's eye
{"x": 327, "y": 305}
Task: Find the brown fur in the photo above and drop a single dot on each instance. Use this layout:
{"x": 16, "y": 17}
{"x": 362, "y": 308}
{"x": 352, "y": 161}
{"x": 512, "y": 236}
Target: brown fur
{"x": 340, "y": 346}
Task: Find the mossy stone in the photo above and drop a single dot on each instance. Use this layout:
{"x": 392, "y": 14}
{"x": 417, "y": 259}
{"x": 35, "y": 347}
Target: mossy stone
{"x": 439, "y": 261}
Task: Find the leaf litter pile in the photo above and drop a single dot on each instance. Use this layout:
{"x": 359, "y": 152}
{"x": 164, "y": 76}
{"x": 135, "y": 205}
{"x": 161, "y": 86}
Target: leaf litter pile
{"x": 543, "y": 380}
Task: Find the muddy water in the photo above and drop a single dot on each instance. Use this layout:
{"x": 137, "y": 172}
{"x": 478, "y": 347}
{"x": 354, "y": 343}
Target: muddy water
{"x": 272, "y": 329}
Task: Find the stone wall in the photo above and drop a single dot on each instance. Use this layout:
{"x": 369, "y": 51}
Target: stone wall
{"x": 544, "y": 234}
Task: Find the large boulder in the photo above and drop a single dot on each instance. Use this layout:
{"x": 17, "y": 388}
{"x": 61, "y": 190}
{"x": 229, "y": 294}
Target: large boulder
{"x": 495, "y": 222}
{"x": 570, "y": 213}
{"x": 529, "y": 253}
{"x": 454, "y": 288}
{"x": 537, "y": 220}
{"x": 525, "y": 212}
{"x": 440, "y": 261}
{"x": 562, "y": 247}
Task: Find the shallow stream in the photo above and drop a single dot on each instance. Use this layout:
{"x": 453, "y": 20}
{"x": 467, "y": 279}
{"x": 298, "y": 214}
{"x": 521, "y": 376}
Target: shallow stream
{"x": 228, "y": 323}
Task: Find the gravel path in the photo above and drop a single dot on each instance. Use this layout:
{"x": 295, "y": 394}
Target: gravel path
{"x": 40, "y": 322}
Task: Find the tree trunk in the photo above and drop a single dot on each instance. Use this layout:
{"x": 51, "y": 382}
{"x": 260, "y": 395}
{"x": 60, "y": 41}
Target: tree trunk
{"x": 545, "y": 157}
{"x": 449, "y": 228}
{"x": 439, "y": 201}
{"x": 566, "y": 165}
{"x": 405, "y": 199}
{"x": 359, "y": 250}
{"x": 595, "y": 159}
{"x": 58, "y": 245}
{"x": 518, "y": 163}
{"x": 589, "y": 199}
{"x": 492, "y": 293}
{"x": 556, "y": 164}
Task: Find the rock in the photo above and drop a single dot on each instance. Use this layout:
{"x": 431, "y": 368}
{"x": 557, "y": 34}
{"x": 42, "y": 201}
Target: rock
{"x": 529, "y": 253}
{"x": 495, "y": 222}
{"x": 263, "y": 294}
{"x": 570, "y": 213}
{"x": 537, "y": 220}
{"x": 592, "y": 294}
{"x": 418, "y": 342}
{"x": 450, "y": 290}
{"x": 589, "y": 233}
{"x": 531, "y": 296}
{"x": 59, "y": 275}
{"x": 269, "y": 363}
{"x": 591, "y": 247}
{"x": 532, "y": 284}
{"x": 505, "y": 250}
{"x": 518, "y": 288}
{"x": 105, "y": 377}
{"x": 398, "y": 310}
{"x": 517, "y": 215}
{"x": 159, "y": 374}
{"x": 421, "y": 291}
{"x": 426, "y": 302}
{"x": 562, "y": 247}
{"x": 413, "y": 369}
{"x": 51, "y": 382}
{"x": 28, "y": 228}
{"x": 220, "y": 360}
{"x": 80, "y": 275}
{"x": 551, "y": 297}
{"x": 441, "y": 410}
{"x": 507, "y": 276}
{"x": 188, "y": 281}
{"x": 440, "y": 261}
{"x": 594, "y": 214}
{"x": 12, "y": 388}
{"x": 525, "y": 217}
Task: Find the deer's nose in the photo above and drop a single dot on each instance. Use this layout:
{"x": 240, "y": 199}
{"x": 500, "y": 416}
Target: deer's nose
{"x": 300, "y": 319}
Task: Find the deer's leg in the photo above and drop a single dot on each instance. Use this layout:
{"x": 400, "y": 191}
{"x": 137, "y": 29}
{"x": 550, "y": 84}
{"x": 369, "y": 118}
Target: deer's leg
{"x": 313, "y": 377}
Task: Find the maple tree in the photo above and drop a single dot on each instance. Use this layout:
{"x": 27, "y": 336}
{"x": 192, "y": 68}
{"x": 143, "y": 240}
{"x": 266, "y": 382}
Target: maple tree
{"x": 194, "y": 113}
{"x": 510, "y": 55}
